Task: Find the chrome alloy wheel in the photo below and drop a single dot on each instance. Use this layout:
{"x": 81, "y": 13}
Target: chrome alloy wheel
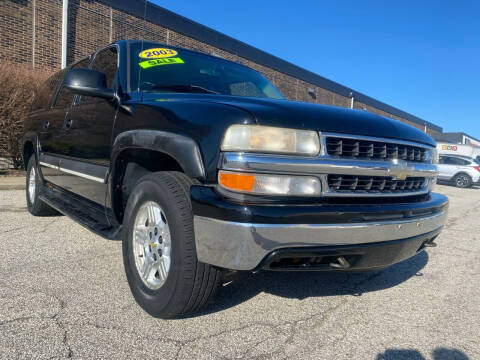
{"x": 151, "y": 245}
{"x": 462, "y": 181}
{"x": 31, "y": 185}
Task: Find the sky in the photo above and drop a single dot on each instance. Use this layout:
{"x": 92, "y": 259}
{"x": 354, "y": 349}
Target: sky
{"x": 422, "y": 57}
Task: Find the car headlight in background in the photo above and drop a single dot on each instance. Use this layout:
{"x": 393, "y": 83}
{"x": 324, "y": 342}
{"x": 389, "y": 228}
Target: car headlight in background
{"x": 266, "y": 184}
{"x": 271, "y": 139}
{"x": 431, "y": 183}
{"x": 432, "y": 156}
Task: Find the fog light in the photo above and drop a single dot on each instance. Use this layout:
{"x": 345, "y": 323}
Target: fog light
{"x": 267, "y": 184}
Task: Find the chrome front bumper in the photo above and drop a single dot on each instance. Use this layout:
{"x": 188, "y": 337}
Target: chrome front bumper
{"x": 242, "y": 246}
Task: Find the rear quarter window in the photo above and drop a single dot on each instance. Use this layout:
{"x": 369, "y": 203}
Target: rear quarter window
{"x": 455, "y": 161}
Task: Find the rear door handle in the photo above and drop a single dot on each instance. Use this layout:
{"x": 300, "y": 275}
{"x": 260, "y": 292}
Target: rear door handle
{"x": 46, "y": 125}
{"x": 68, "y": 123}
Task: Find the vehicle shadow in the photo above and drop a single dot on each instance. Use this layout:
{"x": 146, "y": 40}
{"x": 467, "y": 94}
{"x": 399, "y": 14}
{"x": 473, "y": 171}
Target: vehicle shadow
{"x": 302, "y": 285}
{"x": 439, "y": 353}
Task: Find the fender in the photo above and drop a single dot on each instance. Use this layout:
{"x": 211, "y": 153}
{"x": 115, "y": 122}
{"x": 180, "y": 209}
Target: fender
{"x": 182, "y": 148}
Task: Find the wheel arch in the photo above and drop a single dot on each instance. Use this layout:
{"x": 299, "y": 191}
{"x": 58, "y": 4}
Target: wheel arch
{"x": 461, "y": 172}
{"x": 138, "y": 152}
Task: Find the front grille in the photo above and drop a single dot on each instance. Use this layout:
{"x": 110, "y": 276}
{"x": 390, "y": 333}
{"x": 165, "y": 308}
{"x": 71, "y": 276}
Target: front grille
{"x": 356, "y": 148}
{"x": 374, "y": 184}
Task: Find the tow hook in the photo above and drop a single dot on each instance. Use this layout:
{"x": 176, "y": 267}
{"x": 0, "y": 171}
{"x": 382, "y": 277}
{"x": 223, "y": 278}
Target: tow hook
{"x": 341, "y": 264}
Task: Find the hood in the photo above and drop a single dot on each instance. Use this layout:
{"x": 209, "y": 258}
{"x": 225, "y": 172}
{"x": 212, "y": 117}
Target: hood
{"x": 302, "y": 115}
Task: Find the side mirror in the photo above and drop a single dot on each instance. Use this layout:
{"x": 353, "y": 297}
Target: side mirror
{"x": 88, "y": 82}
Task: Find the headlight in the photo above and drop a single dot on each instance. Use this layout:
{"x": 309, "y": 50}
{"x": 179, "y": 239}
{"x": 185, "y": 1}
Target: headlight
{"x": 270, "y": 139}
{"x": 266, "y": 184}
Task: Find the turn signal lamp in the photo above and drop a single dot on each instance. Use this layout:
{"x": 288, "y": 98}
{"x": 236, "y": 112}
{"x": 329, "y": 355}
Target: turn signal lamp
{"x": 266, "y": 184}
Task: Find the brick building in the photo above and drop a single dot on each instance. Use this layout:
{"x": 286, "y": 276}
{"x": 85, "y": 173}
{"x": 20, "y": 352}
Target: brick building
{"x": 31, "y": 31}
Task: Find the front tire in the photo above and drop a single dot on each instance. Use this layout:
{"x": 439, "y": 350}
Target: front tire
{"x": 33, "y": 188}
{"x": 463, "y": 180}
{"x": 159, "y": 253}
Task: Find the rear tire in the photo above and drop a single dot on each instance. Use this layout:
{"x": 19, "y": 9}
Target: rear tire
{"x": 34, "y": 187}
{"x": 463, "y": 180}
{"x": 181, "y": 285}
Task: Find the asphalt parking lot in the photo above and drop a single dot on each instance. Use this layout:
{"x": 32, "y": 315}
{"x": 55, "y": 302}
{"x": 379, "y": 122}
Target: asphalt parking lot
{"x": 63, "y": 293}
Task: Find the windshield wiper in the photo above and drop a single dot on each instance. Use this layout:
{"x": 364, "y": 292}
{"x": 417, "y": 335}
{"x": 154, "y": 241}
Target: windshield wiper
{"x": 184, "y": 88}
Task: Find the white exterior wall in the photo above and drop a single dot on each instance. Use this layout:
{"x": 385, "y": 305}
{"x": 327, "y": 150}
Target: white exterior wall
{"x": 457, "y": 149}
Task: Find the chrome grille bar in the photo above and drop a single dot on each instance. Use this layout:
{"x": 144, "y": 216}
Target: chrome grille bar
{"x": 278, "y": 164}
{"x": 354, "y": 148}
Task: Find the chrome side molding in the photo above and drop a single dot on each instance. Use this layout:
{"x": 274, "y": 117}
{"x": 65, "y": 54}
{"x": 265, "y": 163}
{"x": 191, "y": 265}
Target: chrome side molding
{"x": 85, "y": 170}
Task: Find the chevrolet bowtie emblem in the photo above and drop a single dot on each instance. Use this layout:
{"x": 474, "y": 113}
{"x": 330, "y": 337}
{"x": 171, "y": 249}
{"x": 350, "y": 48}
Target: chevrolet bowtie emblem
{"x": 400, "y": 170}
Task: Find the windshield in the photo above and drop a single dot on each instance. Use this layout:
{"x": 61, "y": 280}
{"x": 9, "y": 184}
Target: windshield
{"x": 161, "y": 68}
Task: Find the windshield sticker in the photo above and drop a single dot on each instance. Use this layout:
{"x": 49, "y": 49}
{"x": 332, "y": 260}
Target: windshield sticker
{"x": 151, "y": 63}
{"x": 157, "y": 53}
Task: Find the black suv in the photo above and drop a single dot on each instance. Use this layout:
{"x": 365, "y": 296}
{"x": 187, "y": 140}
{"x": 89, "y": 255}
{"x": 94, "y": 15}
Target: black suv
{"x": 200, "y": 165}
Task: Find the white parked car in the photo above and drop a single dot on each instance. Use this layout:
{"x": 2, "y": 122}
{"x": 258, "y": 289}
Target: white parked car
{"x": 463, "y": 171}
{"x": 459, "y": 149}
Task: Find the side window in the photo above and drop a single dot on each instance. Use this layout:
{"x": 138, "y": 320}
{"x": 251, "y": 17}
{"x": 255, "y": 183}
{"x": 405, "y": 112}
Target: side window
{"x": 449, "y": 161}
{"x": 44, "y": 97}
{"x": 442, "y": 160}
{"x": 82, "y": 64}
{"x": 65, "y": 97}
{"x": 456, "y": 161}
{"x": 106, "y": 62}
{"x": 446, "y": 160}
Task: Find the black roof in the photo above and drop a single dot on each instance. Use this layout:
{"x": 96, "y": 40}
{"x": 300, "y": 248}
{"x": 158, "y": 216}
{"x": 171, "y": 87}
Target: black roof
{"x": 163, "y": 17}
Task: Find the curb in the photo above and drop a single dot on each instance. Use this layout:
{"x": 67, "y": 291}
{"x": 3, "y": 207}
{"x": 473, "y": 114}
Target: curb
{"x": 8, "y": 182}
{"x": 12, "y": 187}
